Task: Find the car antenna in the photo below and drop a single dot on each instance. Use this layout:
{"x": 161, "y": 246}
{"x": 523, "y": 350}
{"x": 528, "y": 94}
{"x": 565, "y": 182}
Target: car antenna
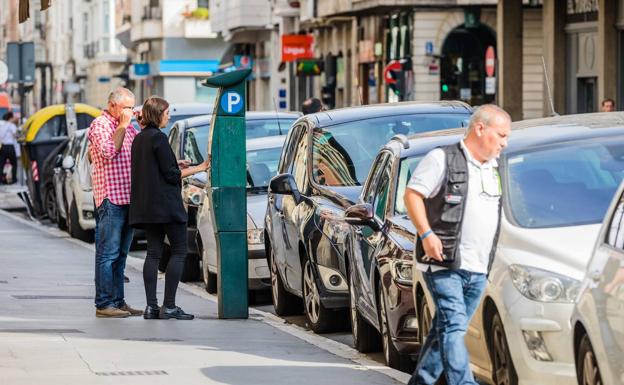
{"x": 550, "y": 99}
{"x": 279, "y": 126}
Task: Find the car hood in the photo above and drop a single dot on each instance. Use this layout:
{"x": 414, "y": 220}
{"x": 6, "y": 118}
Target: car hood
{"x": 256, "y": 208}
{"x": 565, "y": 250}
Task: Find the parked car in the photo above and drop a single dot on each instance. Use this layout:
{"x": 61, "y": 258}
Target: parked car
{"x": 380, "y": 243}
{"x": 325, "y": 161}
{"x": 189, "y": 140}
{"x": 558, "y": 176}
{"x": 76, "y": 210}
{"x": 42, "y": 133}
{"x": 263, "y": 155}
{"x": 51, "y": 161}
{"x": 598, "y": 316}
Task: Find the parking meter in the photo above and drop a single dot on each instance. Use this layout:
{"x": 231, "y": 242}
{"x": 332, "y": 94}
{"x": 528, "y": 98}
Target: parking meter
{"x": 227, "y": 190}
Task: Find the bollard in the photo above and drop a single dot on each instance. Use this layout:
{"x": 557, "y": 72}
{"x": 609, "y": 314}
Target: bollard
{"x": 228, "y": 191}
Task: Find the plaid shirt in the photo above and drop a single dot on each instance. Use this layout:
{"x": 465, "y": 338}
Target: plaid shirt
{"x": 110, "y": 171}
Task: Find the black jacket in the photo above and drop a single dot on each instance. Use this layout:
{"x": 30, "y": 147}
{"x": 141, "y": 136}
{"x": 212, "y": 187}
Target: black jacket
{"x": 155, "y": 195}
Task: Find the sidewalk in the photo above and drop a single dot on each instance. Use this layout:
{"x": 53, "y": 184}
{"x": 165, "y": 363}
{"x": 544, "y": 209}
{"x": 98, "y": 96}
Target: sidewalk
{"x": 50, "y": 335}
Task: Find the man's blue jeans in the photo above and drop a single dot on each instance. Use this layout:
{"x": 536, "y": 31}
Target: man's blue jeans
{"x": 456, "y": 295}
{"x": 113, "y": 236}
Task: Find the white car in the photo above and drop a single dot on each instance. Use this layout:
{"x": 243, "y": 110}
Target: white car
{"x": 263, "y": 156}
{"x": 558, "y": 175}
{"x": 74, "y": 197}
{"x": 598, "y": 317}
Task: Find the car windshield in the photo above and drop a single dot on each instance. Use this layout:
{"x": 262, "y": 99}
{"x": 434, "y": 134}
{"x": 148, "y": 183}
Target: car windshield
{"x": 565, "y": 184}
{"x": 342, "y": 154}
{"x": 262, "y": 166}
{"x": 406, "y": 169}
{"x": 196, "y": 138}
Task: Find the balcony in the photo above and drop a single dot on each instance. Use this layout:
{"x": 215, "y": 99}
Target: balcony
{"x": 150, "y": 26}
{"x": 230, "y": 15}
{"x": 198, "y": 29}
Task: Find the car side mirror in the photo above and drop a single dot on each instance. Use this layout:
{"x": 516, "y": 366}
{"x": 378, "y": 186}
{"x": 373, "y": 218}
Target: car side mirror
{"x": 361, "y": 214}
{"x": 284, "y": 184}
{"x": 68, "y": 162}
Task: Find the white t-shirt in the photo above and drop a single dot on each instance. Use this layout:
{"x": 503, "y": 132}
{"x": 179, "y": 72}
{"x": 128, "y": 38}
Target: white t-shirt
{"x": 481, "y": 212}
{"x": 8, "y": 133}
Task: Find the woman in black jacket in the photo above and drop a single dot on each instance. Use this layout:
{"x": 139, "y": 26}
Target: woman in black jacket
{"x": 156, "y": 206}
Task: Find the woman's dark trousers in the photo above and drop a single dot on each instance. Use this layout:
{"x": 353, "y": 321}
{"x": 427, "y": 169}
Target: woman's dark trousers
{"x": 155, "y": 234}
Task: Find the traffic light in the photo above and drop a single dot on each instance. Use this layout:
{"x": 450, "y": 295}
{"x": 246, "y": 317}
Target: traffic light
{"x": 445, "y": 87}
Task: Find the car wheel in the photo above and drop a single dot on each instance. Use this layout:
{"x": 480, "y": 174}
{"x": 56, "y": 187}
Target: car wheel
{"x": 393, "y": 358}
{"x": 284, "y": 302}
{"x": 210, "y": 279}
{"x": 365, "y": 337}
{"x": 74, "y": 226}
{"x": 319, "y": 318}
{"x": 503, "y": 369}
{"x": 587, "y": 370}
{"x": 50, "y": 203}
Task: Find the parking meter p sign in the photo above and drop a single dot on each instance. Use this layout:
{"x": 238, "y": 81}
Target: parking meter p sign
{"x": 231, "y": 102}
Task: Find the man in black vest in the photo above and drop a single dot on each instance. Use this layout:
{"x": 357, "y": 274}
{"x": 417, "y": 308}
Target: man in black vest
{"x": 453, "y": 199}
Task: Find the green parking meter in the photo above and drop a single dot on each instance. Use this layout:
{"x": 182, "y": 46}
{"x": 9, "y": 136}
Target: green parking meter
{"x": 228, "y": 191}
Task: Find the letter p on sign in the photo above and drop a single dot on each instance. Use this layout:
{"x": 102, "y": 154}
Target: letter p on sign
{"x": 231, "y": 102}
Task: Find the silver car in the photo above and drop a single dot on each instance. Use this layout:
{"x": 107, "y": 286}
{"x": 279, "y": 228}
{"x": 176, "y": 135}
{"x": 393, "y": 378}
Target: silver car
{"x": 263, "y": 156}
{"x": 598, "y": 317}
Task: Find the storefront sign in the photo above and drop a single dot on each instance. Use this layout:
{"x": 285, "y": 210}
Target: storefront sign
{"x": 490, "y": 85}
{"x": 582, "y": 6}
{"x": 429, "y": 48}
{"x": 434, "y": 67}
{"x": 297, "y": 47}
{"x": 490, "y": 61}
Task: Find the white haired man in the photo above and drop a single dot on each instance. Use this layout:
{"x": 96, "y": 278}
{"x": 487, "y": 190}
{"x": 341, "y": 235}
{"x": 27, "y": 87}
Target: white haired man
{"x": 453, "y": 199}
{"x": 110, "y": 141}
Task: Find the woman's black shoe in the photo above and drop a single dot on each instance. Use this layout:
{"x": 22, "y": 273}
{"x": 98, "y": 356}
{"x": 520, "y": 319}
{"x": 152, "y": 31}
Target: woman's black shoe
{"x": 176, "y": 312}
{"x": 151, "y": 312}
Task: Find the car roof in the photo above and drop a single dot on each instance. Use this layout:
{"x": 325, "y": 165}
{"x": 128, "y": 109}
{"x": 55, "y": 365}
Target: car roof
{"x": 371, "y": 111}
{"x": 249, "y": 115}
{"x": 190, "y": 108}
{"x": 275, "y": 141}
{"x": 525, "y": 134}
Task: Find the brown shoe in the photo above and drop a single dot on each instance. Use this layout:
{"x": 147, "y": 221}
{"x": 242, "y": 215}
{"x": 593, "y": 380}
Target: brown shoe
{"x": 111, "y": 312}
{"x": 133, "y": 312}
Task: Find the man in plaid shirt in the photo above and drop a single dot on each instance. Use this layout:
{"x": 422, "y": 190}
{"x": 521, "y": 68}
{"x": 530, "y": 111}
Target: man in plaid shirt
{"x": 110, "y": 141}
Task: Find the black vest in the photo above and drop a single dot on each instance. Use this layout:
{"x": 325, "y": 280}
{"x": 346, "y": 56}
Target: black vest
{"x": 445, "y": 211}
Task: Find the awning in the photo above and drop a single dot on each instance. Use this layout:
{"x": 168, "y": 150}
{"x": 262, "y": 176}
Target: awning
{"x": 186, "y": 67}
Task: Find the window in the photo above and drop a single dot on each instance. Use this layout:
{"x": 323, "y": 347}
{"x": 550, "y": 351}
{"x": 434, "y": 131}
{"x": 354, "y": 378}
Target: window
{"x": 615, "y": 236}
{"x": 343, "y": 153}
{"x": 289, "y": 149}
{"x": 83, "y": 120}
{"x": 196, "y": 143}
{"x": 267, "y": 127}
{"x": 406, "y": 169}
{"x": 369, "y": 189}
{"x": 53, "y": 128}
{"x": 382, "y": 191}
{"x": 174, "y": 141}
{"x": 565, "y": 184}
{"x": 262, "y": 166}
{"x": 300, "y": 163}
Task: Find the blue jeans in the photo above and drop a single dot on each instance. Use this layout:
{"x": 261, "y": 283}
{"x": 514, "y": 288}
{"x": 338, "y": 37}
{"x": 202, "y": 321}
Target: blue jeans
{"x": 113, "y": 236}
{"x": 456, "y": 295}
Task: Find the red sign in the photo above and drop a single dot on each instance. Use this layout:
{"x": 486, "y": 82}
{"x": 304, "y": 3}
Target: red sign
{"x": 392, "y": 66}
{"x": 490, "y": 61}
{"x": 297, "y": 47}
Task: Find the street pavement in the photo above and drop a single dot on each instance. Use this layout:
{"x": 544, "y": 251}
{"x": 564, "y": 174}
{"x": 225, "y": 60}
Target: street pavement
{"x": 49, "y": 332}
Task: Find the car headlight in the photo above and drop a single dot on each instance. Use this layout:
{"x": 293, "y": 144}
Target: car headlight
{"x": 255, "y": 236}
{"x": 402, "y": 271}
{"x": 543, "y": 285}
{"x": 193, "y": 195}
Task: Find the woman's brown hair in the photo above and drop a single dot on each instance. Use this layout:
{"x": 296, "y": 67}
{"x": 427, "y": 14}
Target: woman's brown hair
{"x": 152, "y": 111}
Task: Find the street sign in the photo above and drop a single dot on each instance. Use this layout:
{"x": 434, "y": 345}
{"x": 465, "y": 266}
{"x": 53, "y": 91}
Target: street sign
{"x": 490, "y": 85}
{"x": 394, "y": 65}
{"x": 4, "y": 72}
{"x": 297, "y": 47}
{"x": 490, "y": 61}
{"x": 21, "y": 62}
{"x": 429, "y": 48}
{"x": 231, "y": 102}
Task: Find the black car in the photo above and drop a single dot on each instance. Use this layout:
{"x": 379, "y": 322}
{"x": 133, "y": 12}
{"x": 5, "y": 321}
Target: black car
{"x": 189, "y": 140}
{"x": 325, "y": 161}
{"x": 379, "y": 253}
